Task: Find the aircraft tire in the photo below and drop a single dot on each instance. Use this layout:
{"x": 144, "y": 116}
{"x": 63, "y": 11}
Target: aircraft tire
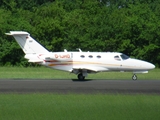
{"x": 134, "y": 77}
{"x": 81, "y": 77}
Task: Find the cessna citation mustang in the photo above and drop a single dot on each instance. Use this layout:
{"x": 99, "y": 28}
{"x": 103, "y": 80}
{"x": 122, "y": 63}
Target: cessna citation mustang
{"x": 80, "y": 63}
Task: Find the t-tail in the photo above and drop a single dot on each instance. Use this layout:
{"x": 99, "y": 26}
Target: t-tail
{"x": 30, "y": 47}
{"x": 27, "y": 43}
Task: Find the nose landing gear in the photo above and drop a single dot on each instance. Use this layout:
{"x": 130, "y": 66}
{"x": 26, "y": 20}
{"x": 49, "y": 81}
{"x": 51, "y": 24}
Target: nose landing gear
{"x": 134, "y": 77}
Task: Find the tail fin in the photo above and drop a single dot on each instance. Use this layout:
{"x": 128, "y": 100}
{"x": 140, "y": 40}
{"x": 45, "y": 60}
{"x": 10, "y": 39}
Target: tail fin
{"x": 27, "y": 43}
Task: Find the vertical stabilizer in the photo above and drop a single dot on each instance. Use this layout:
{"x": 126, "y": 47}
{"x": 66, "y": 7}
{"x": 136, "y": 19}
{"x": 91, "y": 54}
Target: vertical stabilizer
{"x": 27, "y": 43}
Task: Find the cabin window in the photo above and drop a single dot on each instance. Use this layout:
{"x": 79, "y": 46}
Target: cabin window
{"x": 90, "y": 56}
{"x": 98, "y": 56}
{"x": 82, "y": 56}
{"x": 117, "y": 58}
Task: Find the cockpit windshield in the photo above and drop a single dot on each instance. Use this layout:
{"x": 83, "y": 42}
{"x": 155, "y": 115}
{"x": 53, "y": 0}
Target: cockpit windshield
{"x": 124, "y": 57}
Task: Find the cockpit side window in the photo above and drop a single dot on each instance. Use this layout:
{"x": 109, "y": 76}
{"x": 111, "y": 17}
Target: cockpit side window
{"x": 124, "y": 57}
{"x": 117, "y": 58}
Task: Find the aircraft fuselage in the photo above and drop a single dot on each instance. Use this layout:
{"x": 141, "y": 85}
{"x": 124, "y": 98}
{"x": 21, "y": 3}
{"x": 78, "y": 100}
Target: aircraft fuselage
{"x": 93, "y": 62}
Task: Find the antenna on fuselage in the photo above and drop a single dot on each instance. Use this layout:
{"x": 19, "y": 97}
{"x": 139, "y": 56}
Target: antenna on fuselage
{"x": 65, "y": 50}
{"x": 79, "y": 49}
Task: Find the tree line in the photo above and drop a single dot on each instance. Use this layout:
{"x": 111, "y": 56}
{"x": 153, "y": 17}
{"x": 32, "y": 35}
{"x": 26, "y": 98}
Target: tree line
{"x": 128, "y": 26}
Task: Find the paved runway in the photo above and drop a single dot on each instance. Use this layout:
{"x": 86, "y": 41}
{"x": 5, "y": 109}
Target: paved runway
{"x": 84, "y": 87}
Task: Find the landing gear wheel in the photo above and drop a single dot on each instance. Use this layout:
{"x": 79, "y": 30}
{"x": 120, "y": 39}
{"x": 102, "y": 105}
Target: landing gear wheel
{"x": 134, "y": 77}
{"x": 81, "y": 77}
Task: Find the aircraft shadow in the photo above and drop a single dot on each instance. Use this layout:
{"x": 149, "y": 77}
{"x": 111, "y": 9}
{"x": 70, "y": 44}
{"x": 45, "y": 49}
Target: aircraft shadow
{"x": 77, "y": 80}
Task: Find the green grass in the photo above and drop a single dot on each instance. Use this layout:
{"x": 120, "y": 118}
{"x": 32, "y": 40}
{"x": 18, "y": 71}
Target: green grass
{"x": 37, "y": 106}
{"x": 79, "y": 107}
{"x": 47, "y": 73}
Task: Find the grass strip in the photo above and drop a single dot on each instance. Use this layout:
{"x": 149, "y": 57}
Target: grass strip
{"x": 47, "y": 73}
{"x": 77, "y": 107}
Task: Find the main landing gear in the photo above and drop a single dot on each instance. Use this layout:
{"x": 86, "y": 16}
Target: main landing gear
{"x": 134, "y": 77}
{"x": 80, "y": 76}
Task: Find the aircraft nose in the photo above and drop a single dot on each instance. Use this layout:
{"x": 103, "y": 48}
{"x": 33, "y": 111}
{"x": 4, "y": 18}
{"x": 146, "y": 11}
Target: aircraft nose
{"x": 150, "y": 66}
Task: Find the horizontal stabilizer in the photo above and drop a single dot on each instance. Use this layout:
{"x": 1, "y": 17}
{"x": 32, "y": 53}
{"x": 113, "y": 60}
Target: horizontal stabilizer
{"x": 17, "y": 33}
{"x": 8, "y": 33}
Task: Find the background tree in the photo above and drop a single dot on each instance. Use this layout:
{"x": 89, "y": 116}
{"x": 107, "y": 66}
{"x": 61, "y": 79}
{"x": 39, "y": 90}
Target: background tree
{"x": 128, "y": 26}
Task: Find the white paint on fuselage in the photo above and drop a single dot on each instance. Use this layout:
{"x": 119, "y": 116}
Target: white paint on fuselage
{"x": 96, "y": 61}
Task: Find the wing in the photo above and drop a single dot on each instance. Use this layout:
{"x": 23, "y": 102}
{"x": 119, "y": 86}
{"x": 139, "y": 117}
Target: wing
{"x": 88, "y": 69}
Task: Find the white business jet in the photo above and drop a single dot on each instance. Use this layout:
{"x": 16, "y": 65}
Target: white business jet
{"x": 80, "y": 63}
